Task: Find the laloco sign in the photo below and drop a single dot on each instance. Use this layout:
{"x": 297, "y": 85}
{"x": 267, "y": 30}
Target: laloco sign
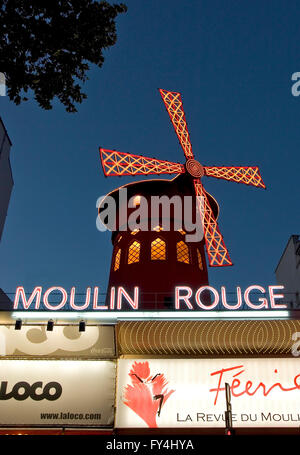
{"x": 37, "y": 391}
{"x": 46, "y": 392}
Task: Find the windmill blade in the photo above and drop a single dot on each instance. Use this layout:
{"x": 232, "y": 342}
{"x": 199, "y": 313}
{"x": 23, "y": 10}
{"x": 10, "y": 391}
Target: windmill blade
{"x": 247, "y": 175}
{"x": 118, "y": 163}
{"x": 175, "y": 110}
{"x": 217, "y": 252}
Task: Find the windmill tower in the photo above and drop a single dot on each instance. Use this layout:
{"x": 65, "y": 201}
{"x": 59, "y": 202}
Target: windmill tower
{"x": 158, "y": 260}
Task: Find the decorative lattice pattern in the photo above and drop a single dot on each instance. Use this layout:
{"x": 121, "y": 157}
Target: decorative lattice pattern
{"x": 199, "y": 258}
{"x": 134, "y": 252}
{"x": 182, "y": 252}
{"x": 173, "y": 103}
{"x": 158, "y": 250}
{"x": 117, "y": 163}
{"x": 117, "y": 260}
{"x": 216, "y": 250}
{"x": 202, "y": 338}
{"x": 246, "y": 175}
{"x": 135, "y": 231}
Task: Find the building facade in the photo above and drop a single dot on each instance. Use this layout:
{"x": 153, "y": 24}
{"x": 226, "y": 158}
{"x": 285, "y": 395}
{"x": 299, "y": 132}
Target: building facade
{"x": 148, "y": 376}
{"x": 6, "y": 178}
{"x": 151, "y": 250}
{"x": 6, "y": 185}
{"x": 288, "y": 271}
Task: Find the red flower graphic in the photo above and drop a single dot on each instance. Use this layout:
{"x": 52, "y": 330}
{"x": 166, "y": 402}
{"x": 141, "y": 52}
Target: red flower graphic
{"x": 147, "y": 394}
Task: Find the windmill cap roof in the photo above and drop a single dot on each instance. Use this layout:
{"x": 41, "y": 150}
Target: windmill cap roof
{"x": 180, "y": 185}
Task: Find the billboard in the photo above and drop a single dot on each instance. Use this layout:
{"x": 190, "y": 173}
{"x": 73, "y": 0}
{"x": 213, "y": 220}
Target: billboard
{"x": 63, "y": 341}
{"x": 55, "y": 392}
{"x": 191, "y": 392}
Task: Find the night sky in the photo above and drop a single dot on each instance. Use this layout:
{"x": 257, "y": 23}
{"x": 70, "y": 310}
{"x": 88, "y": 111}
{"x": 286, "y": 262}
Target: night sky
{"x": 233, "y": 62}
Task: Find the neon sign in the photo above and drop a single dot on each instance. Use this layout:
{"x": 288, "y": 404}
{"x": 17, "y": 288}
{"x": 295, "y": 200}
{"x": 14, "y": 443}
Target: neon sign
{"x": 117, "y": 295}
{"x": 183, "y": 295}
{"x": 119, "y": 299}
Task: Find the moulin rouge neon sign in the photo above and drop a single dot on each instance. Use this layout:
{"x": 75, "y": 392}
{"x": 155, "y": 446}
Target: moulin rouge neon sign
{"x": 119, "y": 299}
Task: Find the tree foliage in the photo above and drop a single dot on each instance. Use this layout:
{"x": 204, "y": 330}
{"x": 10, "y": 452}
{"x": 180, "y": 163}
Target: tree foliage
{"x": 46, "y": 46}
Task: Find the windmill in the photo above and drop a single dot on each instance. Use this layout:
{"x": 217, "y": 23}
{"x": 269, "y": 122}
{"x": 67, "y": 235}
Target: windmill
{"x": 123, "y": 164}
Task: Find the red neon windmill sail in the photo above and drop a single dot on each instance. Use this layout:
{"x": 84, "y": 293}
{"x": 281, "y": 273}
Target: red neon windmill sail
{"x": 117, "y": 164}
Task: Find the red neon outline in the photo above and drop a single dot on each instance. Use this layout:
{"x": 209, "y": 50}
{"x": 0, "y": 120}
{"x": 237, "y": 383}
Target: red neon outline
{"x": 179, "y": 168}
{"x": 264, "y": 300}
{"x": 188, "y": 155}
{"x": 217, "y": 251}
{"x": 61, "y": 304}
{"x": 224, "y": 299}
{"x": 87, "y": 299}
{"x": 216, "y": 176}
{"x": 215, "y": 293}
{"x": 95, "y": 300}
{"x": 133, "y": 303}
{"x": 112, "y": 298}
{"x": 183, "y": 297}
{"x": 20, "y": 292}
{"x": 278, "y": 296}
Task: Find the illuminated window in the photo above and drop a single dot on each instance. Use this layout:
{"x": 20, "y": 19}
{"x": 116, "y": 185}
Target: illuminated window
{"x": 134, "y": 252}
{"x": 158, "y": 250}
{"x": 182, "y": 252}
{"x": 200, "y": 264}
{"x": 158, "y": 229}
{"x": 181, "y": 231}
{"x": 120, "y": 237}
{"x": 117, "y": 260}
{"x": 136, "y": 201}
{"x": 135, "y": 231}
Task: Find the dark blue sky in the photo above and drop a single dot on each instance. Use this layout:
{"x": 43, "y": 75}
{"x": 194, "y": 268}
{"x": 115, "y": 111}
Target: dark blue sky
{"x": 232, "y": 61}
